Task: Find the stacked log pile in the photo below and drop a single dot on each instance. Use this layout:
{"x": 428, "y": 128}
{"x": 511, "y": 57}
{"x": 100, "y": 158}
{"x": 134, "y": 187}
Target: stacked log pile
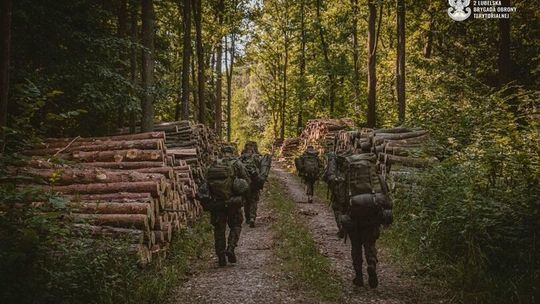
{"x": 125, "y": 185}
{"x": 321, "y": 133}
{"x": 193, "y": 144}
{"x": 290, "y": 147}
{"x": 400, "y": 151}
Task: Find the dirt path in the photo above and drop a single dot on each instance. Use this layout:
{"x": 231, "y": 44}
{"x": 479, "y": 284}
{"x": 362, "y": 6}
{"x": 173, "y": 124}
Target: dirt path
{"x": 393, "y": 286}
{"x": 254, "y": 279}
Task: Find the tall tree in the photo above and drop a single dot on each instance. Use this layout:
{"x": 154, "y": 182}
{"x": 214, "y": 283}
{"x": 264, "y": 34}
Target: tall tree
{"x": 122, "y": 31}
{"x": 229, "y": 68}
{"x": 133, "y": 66}
{"x": 201, "y": 79}
{"x": 327, "y": 62}
{"x": 302, "y": 66}
{"x": 285, "y": 31}
{"x": 504, "y": 62}
{"x": 6, "y": 6}
{"x": 372, "y": 62}
{"x": 147, "y": 122}
{"x": 182, "y": 108}
{"x": 400, "y": 60}
{"x": 356, "y": 65}
{"x": 218, "y": 111}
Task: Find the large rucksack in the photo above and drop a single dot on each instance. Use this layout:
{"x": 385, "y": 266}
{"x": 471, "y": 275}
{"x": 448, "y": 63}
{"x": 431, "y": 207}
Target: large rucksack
{"x": 310, "y": 166}
{"x": 363, "y": 187}
{"x": 220, "y": 178}
{"x": 251, "y": 165}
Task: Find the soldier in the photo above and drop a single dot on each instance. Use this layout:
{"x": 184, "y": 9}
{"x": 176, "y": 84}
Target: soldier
{"x": 222, "y": 195}
{"x": 362, "y": 207}
{"x": 335, "y": 181}
{"x": 308, "y": 166}
{"x": 251, "y": 159}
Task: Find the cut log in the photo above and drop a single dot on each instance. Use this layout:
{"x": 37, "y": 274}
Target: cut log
{"x": 147, "y": 135}
{"x": 69, "y": 176}
{"x": 120, "y": 155}
{"x": 137, "y": 221}
{"x": 151, "y": 187}
{"x": 117, "y": 196}
{"x": 126, "y": 165}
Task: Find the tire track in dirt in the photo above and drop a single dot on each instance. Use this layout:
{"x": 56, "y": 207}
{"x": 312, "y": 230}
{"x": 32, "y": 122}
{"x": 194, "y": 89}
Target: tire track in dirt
{"x": 394, "y": 287}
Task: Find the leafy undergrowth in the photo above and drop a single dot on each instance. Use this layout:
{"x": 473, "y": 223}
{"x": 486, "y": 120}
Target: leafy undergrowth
{"x": 301, "y": 260}
{"x": 43, "y": 260}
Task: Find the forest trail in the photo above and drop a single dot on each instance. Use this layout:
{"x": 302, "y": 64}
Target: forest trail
{"x": 254, "y": 279}
{"x": 394, "y": 287}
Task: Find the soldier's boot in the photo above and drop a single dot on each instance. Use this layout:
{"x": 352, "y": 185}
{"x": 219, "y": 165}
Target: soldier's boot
{"x": 373, "y": 280}
{"x": 252, "y": 223}
{"x": 222, "y": 261}
{"x": 358, "y": 280}
{"x": 231, "y": 256}
{"x": 310, "y": 199}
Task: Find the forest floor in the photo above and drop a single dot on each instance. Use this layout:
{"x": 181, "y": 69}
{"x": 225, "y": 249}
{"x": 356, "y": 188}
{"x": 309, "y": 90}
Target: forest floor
{"x": 257, "y": 277}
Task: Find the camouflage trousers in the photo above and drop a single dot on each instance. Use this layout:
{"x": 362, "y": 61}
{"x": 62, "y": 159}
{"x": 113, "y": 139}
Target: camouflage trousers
{"x": 220, "y": 219}
{"x": 250, "y": 205}
{"x": 310, "y": 185}
{"x": 364, "y": 238}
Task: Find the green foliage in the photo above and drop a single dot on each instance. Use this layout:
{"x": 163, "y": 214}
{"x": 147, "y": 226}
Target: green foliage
{"x": 296, "y": 248}
{"x": 43, "y": 259}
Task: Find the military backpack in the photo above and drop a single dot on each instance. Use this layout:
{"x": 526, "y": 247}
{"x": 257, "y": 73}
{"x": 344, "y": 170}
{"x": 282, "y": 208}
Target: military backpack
{"x": 363, "y": 186}
{"x": 220, "y": 178}
{"x": 309, "y": 166}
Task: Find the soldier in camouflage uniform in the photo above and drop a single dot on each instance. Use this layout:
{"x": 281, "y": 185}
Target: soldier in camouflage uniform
{"x": 252, "y": 161}
{"x": 363, "y": 231}
{"x": 308, "y": 166}
{"x": 231, "y": 215}
{"x": 335, "y": 181}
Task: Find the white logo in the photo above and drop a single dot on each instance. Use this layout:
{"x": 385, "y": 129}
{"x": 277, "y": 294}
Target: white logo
{"x": 459, "y": 9}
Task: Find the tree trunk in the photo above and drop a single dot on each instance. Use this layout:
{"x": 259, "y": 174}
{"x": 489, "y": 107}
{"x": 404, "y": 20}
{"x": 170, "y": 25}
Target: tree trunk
{"x": 122, "y": 31}
{"x": 182, "y": 110}
{"x": 133, "y": 60}
{"x": 138, "y": 221}
{"x": 6, "y": 6}
{"x": 119, "y": 155}
{"x": 137, "y": 187}
{"x": 504, "y": 61}
{"x": 372, "y": 80}
{"x": 400, "y": 60}
{"x": 219, "y": 58}
{"x": 330, "y": 73}
{"x": 356, "y": 67}
{"x": 193, "y": 86}
{"x": 428, "y": 47}
{"x": 302, "y": 90}
{"x": 284, "y": 101}
{"x": 147, "y": 123}
{"x": 197, "y": 8}
{"x": 229, "y": 85}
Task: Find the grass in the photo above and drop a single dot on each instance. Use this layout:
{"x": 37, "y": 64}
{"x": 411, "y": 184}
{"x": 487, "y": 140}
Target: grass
{"x": 301, "y": 260}
{"x": 190, "y": 248}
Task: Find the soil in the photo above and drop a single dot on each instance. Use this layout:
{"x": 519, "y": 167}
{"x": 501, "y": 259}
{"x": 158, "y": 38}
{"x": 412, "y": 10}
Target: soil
{"x": 256, "y": 277}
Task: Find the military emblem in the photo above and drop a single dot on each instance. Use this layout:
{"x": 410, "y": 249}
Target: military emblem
{"x": 459, "y": 9}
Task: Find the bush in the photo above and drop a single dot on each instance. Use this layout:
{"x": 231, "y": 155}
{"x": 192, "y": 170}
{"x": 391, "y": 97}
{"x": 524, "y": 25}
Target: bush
{"x": 44, "y": 260}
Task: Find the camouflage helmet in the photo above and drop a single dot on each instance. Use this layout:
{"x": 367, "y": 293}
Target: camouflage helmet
{"x": 227, "y": 149}
{"x": 240, "y": 186}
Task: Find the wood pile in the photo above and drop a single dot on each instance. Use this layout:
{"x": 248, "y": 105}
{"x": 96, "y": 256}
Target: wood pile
{"x": 290, "y": 147}
{"x": 124, "y": 185}
{"x": 195, "y": 144}
{"x": 321, "y": 133}
{"x": 400, "y": 151}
